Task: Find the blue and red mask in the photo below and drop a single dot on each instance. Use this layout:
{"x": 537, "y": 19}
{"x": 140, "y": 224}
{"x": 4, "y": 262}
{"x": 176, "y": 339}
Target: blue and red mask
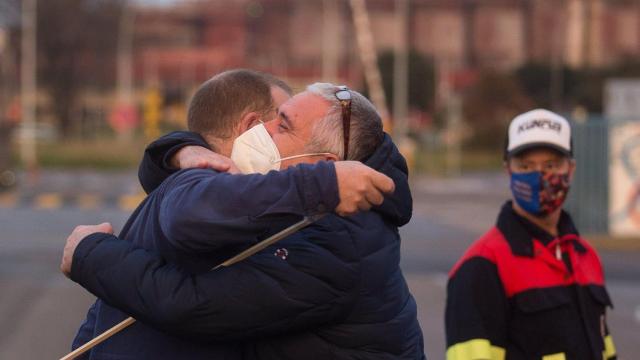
{"x": 539, "y": 193}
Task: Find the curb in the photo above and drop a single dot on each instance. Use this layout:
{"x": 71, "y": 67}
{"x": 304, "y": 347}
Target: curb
{"x": 48, "y": 201}
{"x": 610, "y": 243}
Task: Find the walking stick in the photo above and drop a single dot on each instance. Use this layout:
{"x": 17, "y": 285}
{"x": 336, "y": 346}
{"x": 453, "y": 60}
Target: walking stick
{"x": 233, "y": 260}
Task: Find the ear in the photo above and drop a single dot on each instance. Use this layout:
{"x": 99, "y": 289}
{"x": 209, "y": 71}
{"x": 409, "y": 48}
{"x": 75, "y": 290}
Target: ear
{"x": 248, "y": 121}
{"x": 331, "y": 157}
{"x": 505, "y": 166}
{"x": 572, "y": 169}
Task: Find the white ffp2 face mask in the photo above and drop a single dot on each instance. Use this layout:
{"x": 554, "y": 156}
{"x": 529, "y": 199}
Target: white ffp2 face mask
{"x": 255, "y": 152}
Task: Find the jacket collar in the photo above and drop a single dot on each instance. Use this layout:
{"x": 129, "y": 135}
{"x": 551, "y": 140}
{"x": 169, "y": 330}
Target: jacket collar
{"x": 520, "y": 232}
{"x": 387, "y": 159}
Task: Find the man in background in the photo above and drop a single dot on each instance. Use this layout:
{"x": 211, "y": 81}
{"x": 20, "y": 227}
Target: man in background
{"x": 531, "y": 287}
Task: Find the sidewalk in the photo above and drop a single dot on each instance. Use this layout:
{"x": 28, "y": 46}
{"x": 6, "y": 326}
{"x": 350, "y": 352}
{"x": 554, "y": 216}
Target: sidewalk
{"x": 449, "y": 214}
{"x": 469, "y": 203}
{"x": 84, "y": 189}
{"x": 469, "y": 206}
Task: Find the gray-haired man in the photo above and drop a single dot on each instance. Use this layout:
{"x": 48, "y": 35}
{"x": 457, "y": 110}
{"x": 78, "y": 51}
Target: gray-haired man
{"x": 334, "y": 290}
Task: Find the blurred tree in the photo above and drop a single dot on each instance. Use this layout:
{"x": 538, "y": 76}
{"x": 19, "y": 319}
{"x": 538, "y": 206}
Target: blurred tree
{"x": 536, "y": 81}
{"x": 421, "y": 80}
{"x": 592, "y": 81}
{"x": 9, "y": 99}
{"x": 9, "y": 13}
{"x": 489, "y": 105}
{"x": 588, "y": 89}
{"x": 77, "y": 42}
{"x": 582, "y": 87}
{"x": 9, "y": 48}
{"x": 627, "y": 67}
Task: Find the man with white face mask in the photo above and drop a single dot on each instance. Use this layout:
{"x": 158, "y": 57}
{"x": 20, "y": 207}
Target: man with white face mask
{"x": 255, "y": 152}
{"x": 331, "y": 291}
{"x": 184, "y": 150}
{"x": 198, "y": 218}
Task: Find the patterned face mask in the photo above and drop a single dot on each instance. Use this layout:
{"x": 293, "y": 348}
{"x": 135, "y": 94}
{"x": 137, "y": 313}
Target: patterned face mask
{"x": 539, "y": 193}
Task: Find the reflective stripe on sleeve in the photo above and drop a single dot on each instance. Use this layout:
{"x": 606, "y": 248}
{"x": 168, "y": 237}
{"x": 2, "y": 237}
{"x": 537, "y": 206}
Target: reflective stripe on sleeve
{"x": 476, "y": 349}
{"x": 609, "y": 348}
{"x": 558, "y": 356}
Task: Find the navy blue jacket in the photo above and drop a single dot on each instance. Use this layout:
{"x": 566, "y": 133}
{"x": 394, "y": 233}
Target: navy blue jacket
{"x": 196, "y": 219}
{"x": 332, "y": 291}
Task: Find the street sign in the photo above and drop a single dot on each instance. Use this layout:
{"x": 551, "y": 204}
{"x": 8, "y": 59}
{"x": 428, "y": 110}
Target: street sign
{"x": 622, "y": 99}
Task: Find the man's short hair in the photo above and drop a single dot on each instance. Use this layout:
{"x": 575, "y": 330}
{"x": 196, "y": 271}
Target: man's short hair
{"x": 274, "y": 81}
{"x": 219, "y": 103}
{"x": 366, "y": 132}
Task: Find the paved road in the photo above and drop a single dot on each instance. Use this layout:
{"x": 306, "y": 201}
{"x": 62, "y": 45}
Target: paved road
{"x": 449, "y": 215}
{"x": 40, "y": 309}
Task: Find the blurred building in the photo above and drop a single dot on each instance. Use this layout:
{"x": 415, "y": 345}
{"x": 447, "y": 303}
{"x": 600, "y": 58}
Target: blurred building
{"x": 188, "y": 42}
{"x": 173, "y": 48}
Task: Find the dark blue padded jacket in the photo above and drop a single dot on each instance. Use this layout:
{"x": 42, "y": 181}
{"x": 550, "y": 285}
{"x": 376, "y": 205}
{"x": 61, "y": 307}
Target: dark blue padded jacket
{"x": 332, "y": 291}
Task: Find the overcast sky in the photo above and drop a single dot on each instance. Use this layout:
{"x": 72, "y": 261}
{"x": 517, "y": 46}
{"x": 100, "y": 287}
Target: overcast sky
{"x": 157, "y": 2}
{"x": 10, "y": 9}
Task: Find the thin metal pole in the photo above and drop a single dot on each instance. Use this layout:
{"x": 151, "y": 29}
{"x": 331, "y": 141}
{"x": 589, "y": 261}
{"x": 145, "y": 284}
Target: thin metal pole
{"x": 401, "y": 71}
{"x": 233, "y": 260}
{"x": 99, "y": 339}
{"x": 271, "y": 240}
{"x": 369, "y": 59}
{"x": 330, "y": 50}
{"x": 28, "y": 84}
{"x": 125, "y": 56}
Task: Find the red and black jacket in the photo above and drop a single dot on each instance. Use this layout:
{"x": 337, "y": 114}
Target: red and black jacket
{"x": 519, "y": 293}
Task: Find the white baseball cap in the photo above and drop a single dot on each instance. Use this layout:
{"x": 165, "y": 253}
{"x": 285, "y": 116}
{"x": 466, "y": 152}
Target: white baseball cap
{"x": 536, "y": 128}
